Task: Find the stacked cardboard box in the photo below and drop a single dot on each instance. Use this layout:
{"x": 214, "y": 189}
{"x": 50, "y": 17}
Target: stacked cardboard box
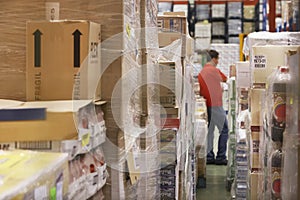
{"x": 268, "y": 52}
{"x": 63, "y": 60}
{"x": 167, "y": 84}
{"x": 168, "y": 157}
{"x": 232, "y": 134}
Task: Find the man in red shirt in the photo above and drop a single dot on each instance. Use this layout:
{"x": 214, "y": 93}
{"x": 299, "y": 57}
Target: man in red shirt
{"x": 210, "y": 79}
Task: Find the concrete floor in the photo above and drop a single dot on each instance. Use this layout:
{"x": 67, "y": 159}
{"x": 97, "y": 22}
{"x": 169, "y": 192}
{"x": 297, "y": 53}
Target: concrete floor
{"x": 215, "y": 184}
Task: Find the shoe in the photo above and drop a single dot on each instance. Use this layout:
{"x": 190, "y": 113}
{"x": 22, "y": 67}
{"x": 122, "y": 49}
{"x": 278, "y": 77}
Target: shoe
{"x": 201, "y": 182}
{"x": 210, "y": 161}
{"x": 221, "y": 162}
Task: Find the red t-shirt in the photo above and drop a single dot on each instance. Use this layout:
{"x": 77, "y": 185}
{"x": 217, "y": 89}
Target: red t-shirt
{"x": 210, "y": 79}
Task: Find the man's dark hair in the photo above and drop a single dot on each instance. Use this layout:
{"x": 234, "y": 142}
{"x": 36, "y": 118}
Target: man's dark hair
{"x": 213, "y": 54}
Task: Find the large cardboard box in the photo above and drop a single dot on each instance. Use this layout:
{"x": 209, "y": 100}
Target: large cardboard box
{"x": 63, "y": 60}
{"x": 266, "y": 59}
{"x": 172, "y": 22}
{"x": 243, "y": 74}
{"x": 60, "y": 123}
{"x": 166, "y": 38}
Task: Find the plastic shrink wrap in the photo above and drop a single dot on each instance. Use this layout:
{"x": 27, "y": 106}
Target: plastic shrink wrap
{"x": 33, "y": 175}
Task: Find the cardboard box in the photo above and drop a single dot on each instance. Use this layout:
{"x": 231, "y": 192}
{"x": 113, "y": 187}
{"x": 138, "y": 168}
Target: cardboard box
{"x": 256, "y": 106}
{"x": 202, "y": 43}
{"x": 169, "y": 112}
{"x": 203, "y": 29}
{"x": 187, "y": 43}
{"x": 172, "y": 22}
{"x": 58, "y": 125}
{"x": 243, "y": 74}
{"x": 63, "y": 60}
{"x": 167, "y": 74}
{"x": 266, "y": 59}
{"x": 166, "y": 38}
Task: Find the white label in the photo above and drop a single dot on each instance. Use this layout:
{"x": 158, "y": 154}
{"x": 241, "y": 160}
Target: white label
{"x": 52, "y": 11}
{"x": 40, "y": 193}
{"x": 260, "y": 62}
{"x": 59, "y": 191}
{"x": 136, "y": 158}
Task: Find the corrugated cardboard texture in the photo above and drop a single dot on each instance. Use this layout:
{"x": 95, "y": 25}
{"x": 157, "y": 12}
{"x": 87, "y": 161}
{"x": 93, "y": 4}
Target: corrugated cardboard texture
{"x": 15, "y": 14}
{"x": 63, "y": 60}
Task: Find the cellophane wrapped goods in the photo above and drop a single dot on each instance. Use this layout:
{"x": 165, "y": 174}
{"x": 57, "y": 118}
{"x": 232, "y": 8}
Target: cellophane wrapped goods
{"x": 29, "y": 174}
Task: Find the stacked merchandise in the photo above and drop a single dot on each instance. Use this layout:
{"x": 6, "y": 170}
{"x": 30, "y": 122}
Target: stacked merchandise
{"x": 115, "y": 18}
{"x": 87, "y": 167}
{"x": 202, "y": 11}
{"x": 202, "y": 36}
{"x": 290, "y": 146}
{"x": 249, "y": 19}
{"x": 231, "y": 124}
{"x": 194, "y": 136}
{"x": 242, "y": 146}
{"x": 218, "y": 15}
{"x": 256, "y": 99}
{"x": 175, "y": 48}
{"x": 270, "y": 98}
{"x": 262, "y": 15}
{"x": 188, "y": 147}
{"x": 235, "y": 26}
{"x": 164, "y": 7}
{"x": 169, "y": 172}
{"x": 46, "y": 175}
{"x": 240, "y": 187}
{"x": 180, "y": 8}
{"x": 167, "y": 72}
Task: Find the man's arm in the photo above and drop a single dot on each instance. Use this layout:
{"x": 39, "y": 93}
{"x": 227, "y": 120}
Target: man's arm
{"x": 223, "y": 76}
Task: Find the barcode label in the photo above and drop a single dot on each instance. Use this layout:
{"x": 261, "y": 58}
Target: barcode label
{"x": 259, "y": 61}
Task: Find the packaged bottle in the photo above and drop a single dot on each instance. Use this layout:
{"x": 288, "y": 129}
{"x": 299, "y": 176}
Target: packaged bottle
{"x": 281, "y": 80}
{"x": 276, "y": 174}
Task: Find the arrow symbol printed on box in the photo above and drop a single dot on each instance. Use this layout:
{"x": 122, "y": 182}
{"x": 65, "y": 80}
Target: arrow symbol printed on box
{"x": 76, "y": 34}
{"x": 37, "y": 48}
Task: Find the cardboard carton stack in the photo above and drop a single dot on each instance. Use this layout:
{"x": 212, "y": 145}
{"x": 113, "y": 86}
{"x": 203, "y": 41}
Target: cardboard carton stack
{"x": 79, "y": 49}
{"x": 241, "y": 161}
{"x": 63, "y": 60}
{"x": 268, "y": 51}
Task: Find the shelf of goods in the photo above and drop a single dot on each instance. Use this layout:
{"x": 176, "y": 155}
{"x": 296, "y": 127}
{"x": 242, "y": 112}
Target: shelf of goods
{"x": 267, "y": 144}
{"x": 34, "y": 124}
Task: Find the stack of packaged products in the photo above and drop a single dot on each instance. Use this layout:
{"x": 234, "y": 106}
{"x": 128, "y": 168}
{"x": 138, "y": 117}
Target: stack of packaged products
{"x": 242, "y": 146}
{"x": 168, "y": 162}
{"x": 232, "y": 134}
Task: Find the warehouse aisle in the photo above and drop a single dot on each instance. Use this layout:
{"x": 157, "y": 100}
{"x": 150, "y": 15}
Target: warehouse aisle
{"x": 215, "y": 184}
